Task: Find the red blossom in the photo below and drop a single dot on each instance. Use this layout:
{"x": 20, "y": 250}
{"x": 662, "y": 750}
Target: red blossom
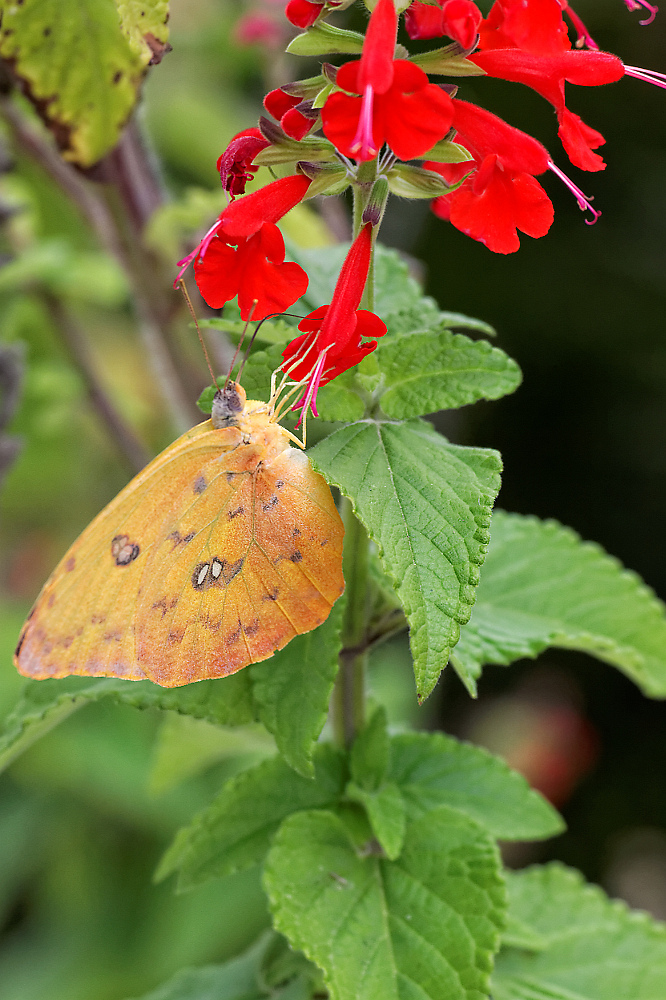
{"x": 295, "y": 115}
{"x": 547, "y": 75}
{"x": 235, "y": 164}
{"x": 502, "y": 195}
{"x": 331, "y": 341}
{"x": 534, "y": 26}
{"x": 411, "y": 116}
{"x": 302, "y": 13}
{"x": 457, "y": 19}
{"x": 254, "y": 270}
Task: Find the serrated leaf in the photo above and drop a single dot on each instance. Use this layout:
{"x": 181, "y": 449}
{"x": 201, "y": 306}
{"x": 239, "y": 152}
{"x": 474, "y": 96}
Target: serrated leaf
{"x": 423, "y": 926}
{"x": 595, "y": 949}
{"x": 235, "y": 830}
{"x": 237, "y": 979}
{"x": 542, "y": 586}
{"x": 432, "y": 769}
{"x": 292, "y": 690}
{"x": 386, "y": 812}
{"x": 369, "y": 756}
{"x": 324, "y": 39}
{"x": 43, "y": 704}
{"x": 81, "y": 63}
{"x": 426, "y": 372}
{"x": 426, "y": 504}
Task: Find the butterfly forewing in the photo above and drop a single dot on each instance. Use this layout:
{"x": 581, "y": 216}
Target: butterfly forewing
{"x": 213, "y": 557}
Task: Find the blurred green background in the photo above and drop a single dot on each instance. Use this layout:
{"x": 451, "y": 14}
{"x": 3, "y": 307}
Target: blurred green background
{"x": 86, "y": 813}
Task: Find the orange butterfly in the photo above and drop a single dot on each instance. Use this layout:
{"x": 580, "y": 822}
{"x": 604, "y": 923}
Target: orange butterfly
{"x": 223, "y": 549}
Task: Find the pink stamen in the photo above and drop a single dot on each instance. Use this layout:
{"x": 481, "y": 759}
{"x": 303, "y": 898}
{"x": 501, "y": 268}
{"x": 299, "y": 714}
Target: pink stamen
{"x": 199, "y": 249}
{"x": 582, "y": 199}
{"x": 584, "y": 37}
{"x": 363, "y": 143}
{"x": 647, "y": 76}
{"x": 638, "y": 4}
{"x": 310, "y": 398}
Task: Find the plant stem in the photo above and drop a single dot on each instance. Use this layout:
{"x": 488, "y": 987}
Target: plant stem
{"x": 349, "y": 693}
{"x": 366, "y": 176}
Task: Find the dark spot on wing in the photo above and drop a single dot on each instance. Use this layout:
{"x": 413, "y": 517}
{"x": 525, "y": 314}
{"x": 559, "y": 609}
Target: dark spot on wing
{"x": 201, "y": 576}
{"x": 235, "y": 635}
{"x": 51, "y": 600}
{"x": 230, "y": 475}
{"x": 97, "y": 619}
{"x": 115, "y": 636}
{"x": 231, "y": 514}
{"x": 67, "y": 641}
{"x": 325, "y": 542}
{"x": 176, "y": 636}
{"x": 296, "y": 557}
{"x": 200, "y": 484}
{"x": 252, "y": 628}
{"x": 20, "y": 643}
{"x": 279, "y": 484}
{"x": 296, "y": 531}
{"x": 229, "y": 571}
{"x": 178, "y": 539}
{"x": 70, "y": 564}
{"x": 207, "y": 622}
{"x": 272, "y": 596}
{"x": 123, "y": 550}
{"x": 218, "y": 572}
{"x": 270, "y": 504}
{"x": 163, "y": 605}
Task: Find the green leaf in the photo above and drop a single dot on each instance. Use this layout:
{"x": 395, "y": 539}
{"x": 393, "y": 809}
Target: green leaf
{"x": 235, "y": 831}
{"x": 293, "y": 689}
{"x": 426, "y": 372}
{"x": 542, "y": 586}
{"x": 387, "y": 814}
{"x": 432, "y": 769}
{"x": 425, "y": 925}
{"x": 591, "y": 948}
{"x": 258, "y": 371}
{"x": 234, "y": 980}
{"x": 339, "y": 400}
{"x": 426, "y": 503}
{"x": 324, "y": 39}
{"x": 369, "y": 755}
{"x": 81, "y": 62}
{"x": 43, "y": 704}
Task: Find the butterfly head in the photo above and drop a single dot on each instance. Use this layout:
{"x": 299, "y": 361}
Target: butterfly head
{"x": 228, "y": 405}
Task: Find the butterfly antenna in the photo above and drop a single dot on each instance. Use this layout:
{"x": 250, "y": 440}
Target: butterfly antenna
{"x": 187, "y": 298}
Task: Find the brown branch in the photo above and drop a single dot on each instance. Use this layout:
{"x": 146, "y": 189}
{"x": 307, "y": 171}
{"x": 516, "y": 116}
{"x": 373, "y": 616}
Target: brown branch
{"x": 126, "y": 441}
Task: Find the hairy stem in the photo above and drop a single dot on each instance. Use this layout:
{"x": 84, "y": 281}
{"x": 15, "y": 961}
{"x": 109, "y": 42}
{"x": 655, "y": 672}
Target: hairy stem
{"x": 349, "y": 693}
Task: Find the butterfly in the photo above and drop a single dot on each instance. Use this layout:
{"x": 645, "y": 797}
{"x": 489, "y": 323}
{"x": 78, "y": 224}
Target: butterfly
{"x": 223, "y": 549}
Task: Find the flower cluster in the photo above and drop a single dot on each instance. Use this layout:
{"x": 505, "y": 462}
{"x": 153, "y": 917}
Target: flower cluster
{"x": 364, "y": 123}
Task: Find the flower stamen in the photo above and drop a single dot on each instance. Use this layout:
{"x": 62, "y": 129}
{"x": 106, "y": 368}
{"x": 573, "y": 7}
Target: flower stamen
{"x": 584, "y": 203}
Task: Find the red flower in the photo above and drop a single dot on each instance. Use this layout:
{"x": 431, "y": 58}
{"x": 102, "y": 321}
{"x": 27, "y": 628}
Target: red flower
{"x": 547, "y": 75}
{"x": 254, "y": 270}
{"x": 502, "y": 195}
{"x": 295, "y": 115}
{"x": 235, "y": 164}
{"x": 398, "y": 105}
{"x": 302, "y": 13}
{"x": 534, "y": 26}
{"x": 331, "y": 342}
{"x": 458, "y": 19}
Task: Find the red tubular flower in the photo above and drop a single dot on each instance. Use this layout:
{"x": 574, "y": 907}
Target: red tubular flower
{"x": 331, "y": 342}
{"x": 255, "y": 270}
{"x": 535, "y": 26}
{"x": 235, "y": 164}
{"x": 295, "y": 115}
{"x": 458, "y": 19}
{"x": 502, "y": 195}
{"x": 547, "y": 75}
{"x": 302, "y": 13}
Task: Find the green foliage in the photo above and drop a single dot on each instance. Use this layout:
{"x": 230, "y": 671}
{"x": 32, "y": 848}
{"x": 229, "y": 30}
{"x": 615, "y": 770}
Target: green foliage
{"x": 292, "y": 690}
{"x": 235, "y": 831}
{"x": 44, "y": 704}
{"x": 542, "y": 586}
{"x": 586, "y": 946}
{"x": 432, "y": 769}
{"x": 81, "y": 62}
{"x": 426, "y": 924}
{"x": 426, "y": 503}
{"x": 429, "y": 371}
{"x": 325, "y": 39}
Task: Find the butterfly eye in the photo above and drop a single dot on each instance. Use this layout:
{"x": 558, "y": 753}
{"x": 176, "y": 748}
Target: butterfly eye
{"x": 228, "y": 403}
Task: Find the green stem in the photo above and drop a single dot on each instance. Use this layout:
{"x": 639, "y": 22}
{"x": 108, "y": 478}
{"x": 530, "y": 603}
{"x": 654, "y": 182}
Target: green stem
{"x": 349, "y": 693}
{"x": 366, "y": 176}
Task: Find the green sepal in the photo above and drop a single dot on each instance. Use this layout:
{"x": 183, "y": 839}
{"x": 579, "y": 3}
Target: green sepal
{"x": 446, "y": 151}
{"x": 447, "y": 61}
{"x": 322, "y": 38}
{"x": 327, "y": 178}
{"x": 407, "y": 181}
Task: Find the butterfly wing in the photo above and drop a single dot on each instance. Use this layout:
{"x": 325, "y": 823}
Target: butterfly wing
{"x": 131, "y": 598}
